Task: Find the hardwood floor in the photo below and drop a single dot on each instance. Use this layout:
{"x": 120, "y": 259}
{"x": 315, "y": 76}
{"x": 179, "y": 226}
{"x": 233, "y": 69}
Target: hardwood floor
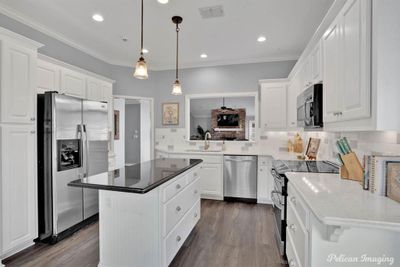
{"x": 228, "y": 234}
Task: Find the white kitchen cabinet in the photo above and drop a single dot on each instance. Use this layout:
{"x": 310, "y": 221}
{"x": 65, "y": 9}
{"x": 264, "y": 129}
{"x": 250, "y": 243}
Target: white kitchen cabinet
{"x": 307, "y": 72}
{"x": 211, "y": 181}
{"x": 211, "y": 173}
{"x": 265, "y": 181}
{"x": 273, "y": 106}
{"x": 48, "y": 77}
{"x": 332, "y": 94}
{"x": 316, "y": 64}
{"x": 346, "y": 46}
{"x": 94, "y": 90}
{"x": 18, "y": 80}
{"x": 355, "y": 56}
{"x": 73, "y": 83}
{"x": 18, "y": 187}
{"x": 293, "y": 91}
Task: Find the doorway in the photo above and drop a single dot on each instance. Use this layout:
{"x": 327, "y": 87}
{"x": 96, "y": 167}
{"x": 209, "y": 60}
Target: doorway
{"x": 134, "y": 142}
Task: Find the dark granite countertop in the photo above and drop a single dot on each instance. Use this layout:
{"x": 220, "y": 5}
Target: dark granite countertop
{"x": 138, "y": 178}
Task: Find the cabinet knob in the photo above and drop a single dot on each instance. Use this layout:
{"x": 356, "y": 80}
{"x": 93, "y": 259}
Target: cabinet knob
{"x": 33, "y": 132}
{"x": 178, "y": 208}
{"x": 178, "y": 186}
{"x": 292, "y": 263}
{"x": 33, "y": 119}
{"x": 293, "y": 200}
{"x": 178, "y": 238}
{"x": 195, "y": 214}
{"x": 292, "y": 227}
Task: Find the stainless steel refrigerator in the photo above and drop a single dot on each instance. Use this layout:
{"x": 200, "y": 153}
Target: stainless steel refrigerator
{"x": 72, "y": 144}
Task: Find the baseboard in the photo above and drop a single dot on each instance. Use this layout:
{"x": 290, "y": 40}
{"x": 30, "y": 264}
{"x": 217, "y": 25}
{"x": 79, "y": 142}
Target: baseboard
{"x": 264, "y": 200}
{"x": 210, "y": 196}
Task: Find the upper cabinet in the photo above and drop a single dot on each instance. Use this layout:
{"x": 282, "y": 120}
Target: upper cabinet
{"x": 18, "y": 79}
{"x": 273, "y": 105}
{"x": 48, "y": 76}
{"x": 73, "y": 83}
{"x": 316, "y": 64}
{"x": 346, "y": 46}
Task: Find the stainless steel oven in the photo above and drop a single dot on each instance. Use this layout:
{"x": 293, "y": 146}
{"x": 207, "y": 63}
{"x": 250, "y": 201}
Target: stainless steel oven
{"x": 278, "y": 197}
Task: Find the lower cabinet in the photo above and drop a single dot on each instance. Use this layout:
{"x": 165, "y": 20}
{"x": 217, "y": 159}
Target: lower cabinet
{"x": 18, "y": 188}
{"x": 265, "y": 181}
{"x": 211, "y": 173}
{"x": 181, "y": 212}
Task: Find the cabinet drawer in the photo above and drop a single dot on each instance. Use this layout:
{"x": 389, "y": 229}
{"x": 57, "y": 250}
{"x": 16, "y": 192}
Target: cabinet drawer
{"x": 174, "y": 188}
{"x": 297, "y": 204}
{"x": 174, "y": 241}
{"x": 177, "y": 207}
{"x": 298, "y": 235}
{"x": 290, "y": 253}
{"x": 193, "y": 175}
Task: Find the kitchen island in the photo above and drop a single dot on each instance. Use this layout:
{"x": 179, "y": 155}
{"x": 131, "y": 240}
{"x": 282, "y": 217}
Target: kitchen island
{"x": 146, "y": 211}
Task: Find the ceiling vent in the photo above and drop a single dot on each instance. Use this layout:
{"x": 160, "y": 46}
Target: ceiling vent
{"x": 211, "y": 12}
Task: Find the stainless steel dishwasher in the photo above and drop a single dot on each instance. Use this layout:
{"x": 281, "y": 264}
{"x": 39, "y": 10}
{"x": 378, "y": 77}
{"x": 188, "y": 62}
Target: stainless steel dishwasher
{"x": 240, "y": 178}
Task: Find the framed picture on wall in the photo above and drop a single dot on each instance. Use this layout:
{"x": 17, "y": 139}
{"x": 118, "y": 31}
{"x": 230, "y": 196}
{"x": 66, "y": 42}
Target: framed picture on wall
{"x": 170, "y": 113}
{"x": 116, "y": 124}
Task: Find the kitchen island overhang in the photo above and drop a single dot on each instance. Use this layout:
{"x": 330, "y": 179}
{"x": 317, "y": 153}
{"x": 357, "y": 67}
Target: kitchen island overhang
{"x": 146, "y": 211}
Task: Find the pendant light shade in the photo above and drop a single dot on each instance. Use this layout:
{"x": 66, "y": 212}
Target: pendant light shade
{"x": 176, "y": 87}
{"x": 141, "y": 69}
{"x": 141, "y": 66}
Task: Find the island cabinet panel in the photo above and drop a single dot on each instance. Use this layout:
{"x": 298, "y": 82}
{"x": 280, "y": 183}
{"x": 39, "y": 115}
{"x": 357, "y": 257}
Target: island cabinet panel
{"x": 149, "y": 229}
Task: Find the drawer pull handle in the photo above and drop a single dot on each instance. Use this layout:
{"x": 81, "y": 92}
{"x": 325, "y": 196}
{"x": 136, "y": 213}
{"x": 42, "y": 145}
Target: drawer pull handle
{"x": 33, "y": 132}
{"x": 195, "y": 215}
{"x": 178, "y": 186}
{"x": 292, "y": 227}
{"x": 178, "y": 238}
{"x": 293, "y": 200}
{"x": 178, "y": 208}
{"x": 292, "y": 263}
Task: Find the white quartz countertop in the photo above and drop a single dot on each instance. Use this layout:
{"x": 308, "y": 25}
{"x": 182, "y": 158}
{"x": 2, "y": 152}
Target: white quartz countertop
{"x": 339, "y": 202}
{"x": 277, "y": 155}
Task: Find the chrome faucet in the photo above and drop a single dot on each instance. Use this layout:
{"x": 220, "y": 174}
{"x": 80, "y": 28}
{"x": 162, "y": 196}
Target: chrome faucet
{"x": 207, "y": 141}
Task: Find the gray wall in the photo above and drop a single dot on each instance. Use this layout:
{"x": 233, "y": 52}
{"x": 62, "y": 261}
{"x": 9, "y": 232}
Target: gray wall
{"x": 232, "y": 78}
{"x": 57, "y": 49}
{"x": 132, "y": 124}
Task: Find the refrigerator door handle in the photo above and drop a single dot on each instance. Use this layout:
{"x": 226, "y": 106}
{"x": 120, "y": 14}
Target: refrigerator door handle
{"x": 86, "y": 151}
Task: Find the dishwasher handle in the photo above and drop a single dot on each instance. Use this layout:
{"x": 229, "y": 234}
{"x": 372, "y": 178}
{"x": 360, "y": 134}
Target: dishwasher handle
{"x": 241, "y": 160}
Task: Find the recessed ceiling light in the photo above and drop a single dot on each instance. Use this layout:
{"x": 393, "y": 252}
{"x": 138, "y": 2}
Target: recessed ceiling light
{"x": 261, "y": 39}
{"x": 163, "y": 1}
{"x": 203, "y": 55}
{"x": 145, "y": 50}
{"x": 97, "y": 17}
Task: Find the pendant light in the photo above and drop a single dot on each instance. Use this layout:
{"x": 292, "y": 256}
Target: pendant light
{"x": 141, "y": 67}
{"x": 176, "y": 87}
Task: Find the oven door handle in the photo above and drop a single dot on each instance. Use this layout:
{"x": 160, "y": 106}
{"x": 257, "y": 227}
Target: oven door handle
{"x": 275, "y": 201}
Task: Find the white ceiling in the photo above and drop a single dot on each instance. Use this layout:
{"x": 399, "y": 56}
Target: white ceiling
{"x": 201, "y": 108}
{"x": 231, "y": 39}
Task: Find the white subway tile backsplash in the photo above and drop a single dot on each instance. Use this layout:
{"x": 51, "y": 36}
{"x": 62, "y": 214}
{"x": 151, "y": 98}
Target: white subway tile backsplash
{"x": 361, "y": 142}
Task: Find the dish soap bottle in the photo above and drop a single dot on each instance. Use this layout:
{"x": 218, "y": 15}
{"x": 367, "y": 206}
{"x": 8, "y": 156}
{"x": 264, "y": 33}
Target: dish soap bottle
{"x": 298, "y": 143}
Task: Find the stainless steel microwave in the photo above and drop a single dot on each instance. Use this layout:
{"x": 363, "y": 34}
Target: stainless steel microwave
{"x": 309, "y": 108}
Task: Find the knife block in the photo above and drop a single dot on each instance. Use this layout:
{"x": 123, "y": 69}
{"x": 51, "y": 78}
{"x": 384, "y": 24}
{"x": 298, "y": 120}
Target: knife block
{"x": 352, "y": 168}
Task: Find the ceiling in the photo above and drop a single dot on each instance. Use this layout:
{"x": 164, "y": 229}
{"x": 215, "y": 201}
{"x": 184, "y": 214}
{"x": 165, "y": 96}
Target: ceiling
{"x": 232, "y": 39}
{"x": 201, "y": 108}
